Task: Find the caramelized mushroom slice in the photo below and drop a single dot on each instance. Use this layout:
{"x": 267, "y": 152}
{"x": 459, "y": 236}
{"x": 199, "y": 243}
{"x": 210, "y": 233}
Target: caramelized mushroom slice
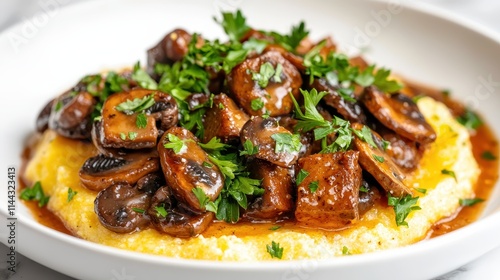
{"x": 188, "y": 169}
{"x": 272, "y": 92}
{"x": 224, "y": 120}
{"x": 42, "y": 121}
{"x": 399, "y": 113}
{"x": 120, "y": 124}
{"x": 260, "y": 132}
{"x": 117, "y": 208}
{"x": 175, "y": 219}
{"x": 173, "y": 47}
{"x": 71, "y": 115}
{"x": 277, "y": 199}
{"x": 404, "y": 152}
{"x": 376, "y": 162}
{"x": 99, "y": 172}
{"x": 350, "y": 110}
{"x": 328, "y": 196}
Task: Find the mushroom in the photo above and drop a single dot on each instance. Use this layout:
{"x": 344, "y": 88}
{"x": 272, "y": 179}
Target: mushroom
{"x": 188, "y": 168}
{"x": 399, "y": 113}
{"x": 175, "y": 219}
{"x": 380, "y": 165}
{"x": 404, "y": 152}
{"x": 120, "y": 119}
{"x": 120, "y": 208}
{"x": 272, "y": 92}
{"x": 42, "y": 121}
{"x": 99, "y": 172}
{"x": 71, "y": 115}
{"x": 260, "y": 132}
{"x": 369, "y": 195}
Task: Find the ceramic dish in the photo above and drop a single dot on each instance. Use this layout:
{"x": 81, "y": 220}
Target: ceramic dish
{"x": 43, "y": 56}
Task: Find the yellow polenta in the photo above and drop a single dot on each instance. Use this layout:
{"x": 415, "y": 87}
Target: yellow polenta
{"x": 57, "y": 160}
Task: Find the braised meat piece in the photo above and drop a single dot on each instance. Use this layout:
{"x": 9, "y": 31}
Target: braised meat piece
{"x": 328, "y": 196}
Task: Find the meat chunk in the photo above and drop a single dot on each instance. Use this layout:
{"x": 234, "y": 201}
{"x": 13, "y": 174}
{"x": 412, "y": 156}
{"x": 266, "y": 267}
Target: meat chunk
{"x": 273, "y": 94}
{"x": 261, "y": 131}
{"x": 328, "y": 197}
{"x": 277, "y": 198}
{"x": 224, "y": 120}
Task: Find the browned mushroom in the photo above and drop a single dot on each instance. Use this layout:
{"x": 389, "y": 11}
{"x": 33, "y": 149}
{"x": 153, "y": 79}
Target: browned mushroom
{"x": 404, "y": 152}
{"x": 188, "y": 168}
{"x": 269, "y": 94}
{"x": 295, "y": 60}
{"x": 399, "y": 113}
{"x": 175, "y": 219}
{"x": 120, "y": 208}
{"x": 261, "y": 131}
{"x": 328, "y": 196}
{"x": 99, "y": 172}
{"x": 277, "y": 199}
{"x": 71, "y": 115}
{"x": 224, "y": 120}
{"x": 173, "y": 47}
{"x": 120, "y": 119}
{"x": 42, "y": 121}
{"x": 369, "y": 194}
{"x": 350, "y": 110}
{"x": 376, "y": 162}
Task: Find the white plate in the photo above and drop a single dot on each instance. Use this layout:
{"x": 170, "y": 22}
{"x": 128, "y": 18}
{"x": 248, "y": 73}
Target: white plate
{"x": 40, "y": 58}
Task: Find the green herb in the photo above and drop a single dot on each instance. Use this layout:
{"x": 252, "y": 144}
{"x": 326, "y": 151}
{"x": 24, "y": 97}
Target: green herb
{"x": 214, "y": 145}
{"x": 469, "y": 201}
{"x": 446, "y": 92}
{"x": 249, "y": 148}
{"x": 301, "y": 176}
{"x": 487, "y": 155}
{"x": 450, "y": 173}
{"x": 123, "y": 136}
{"x": 415, "y": 99}
{"x": 365, "y": 134}
{"x": 335, "y": 66}
{"x": 345, "y": 251}
{"x": 273, "y": 228}
{"x": 402, "y": 207}
{"x": 255, "y": 44}
{"x": 115, "y": 82}
{"x": 265, "y": 73}
{"x": 275, "y": 250}
{"x": 385, "y": 145}
{"x": 71, "y": 194}
{"x": 201, "y": 196}
{"x": 470, "y": 120}
{"x": 142, "y": 78}
{"x": 35, "y": 193}
{"x": 234, "y": 25}
{"x": 277, "y": 73}
{"x": 363, "y": 189}
{"x": 132, "y": 135}
{"x": 221, "y": 106}
{"x": 137, "y": 105}
{"x": 207, "y": 164}
{"x": 310, "y": 118}
{"x": 160, "y": 211}
{"x": 257, "y": 104}
{"x": 141, "y": 120}
{"x": 139, "y": 210}
{"x": 175, "y": 143}
{"x": 421, "y": 190}
{"x": 291, "y": 41}
{"x": 266, "y": 114}
{"x": 313, "y": 186}
{"x": 378, "y": 158}
{"x": 287, "y": 143}
{"x": 345, "y": 93}
{"x": 379, "y": 79}
{"x": 58, "y": 106}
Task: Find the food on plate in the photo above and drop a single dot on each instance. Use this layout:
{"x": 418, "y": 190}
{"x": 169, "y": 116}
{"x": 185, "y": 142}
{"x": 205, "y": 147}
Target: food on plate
{"x": 266, "y": 146}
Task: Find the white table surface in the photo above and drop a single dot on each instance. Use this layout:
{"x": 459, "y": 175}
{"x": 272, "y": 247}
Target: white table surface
{"x": 485, "y": 12}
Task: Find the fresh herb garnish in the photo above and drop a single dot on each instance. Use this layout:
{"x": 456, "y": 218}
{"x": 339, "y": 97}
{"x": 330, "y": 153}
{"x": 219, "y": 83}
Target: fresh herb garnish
{"x": 265, "y": 74}
{"x": 275, "y": 250}
{"x": 143, "y": 78}
{"x": 363, "y": 189}
{"x": 469, "y": 201}
{"x": 58, "y": 106}
{"x": 141, "y": 120}
{"x": 345, "y": 251}
{"x": 123, "y": 136}
{"x": 487, "y": 155}
{"x": 385, "y": 145}
{"x": 160, "y": 211}
{"x": 175, "y": 143}
{"x": 402, "y": 207}
{"x": 137, "y": 105}
{"x": 139, "y": 210}
{"x": 35, "y": 193}
{"x": 234, "y": 25}
{"x": 421, "y": 190}
{"x": 249, "y": 148}
{"x": 287, "y": 142}
{"x": 273, "y": 228}
{"x": 365, "y": 134}
{"x": 132, "y": 135}
{"x": 257, "y": 104}
{"x": 71, "y": 194}
{"x": 301, "y": 176}
{"x": 450, "y": 173}
{"x": 291, "y": 41}
{"x": 201, "y": 196}
{"x": 313, "y": 186}
{"x": 470, "y": 120}
{"x": 379, "y": 79}
{"x": 378, "y": 158}
{"x": 207, "y": 164}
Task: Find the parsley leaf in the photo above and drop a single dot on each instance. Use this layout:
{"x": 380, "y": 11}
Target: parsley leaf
{"x": 71, "y": 194}
{"x": 365, "y": 134}
{"x": 379, "y": 79}
{"x": 313, "y": 186}
{"x": 201, "y": 196}
{"x": 137, "y": 105}
{"x": 345, "y": 251}
{"x": 291, "y": 41}
{"x": 469, "y": 201}
{"x": 141, "y": 120}
{"x": 450, "y": 173}
{"x": 266, "y": 72}
{"x": 257, "y": 104}
{"x": 275, "y": 250}
{"x": 487, "y": 155}
{"x": 160, "y": 211}
{"x": 378, "y": 158}
{"x": 470, "y": 120}
{"x": 143, "y": 78}
{"x": 175, "y": 143}
{"x": 402, "y": 207}
{"x": 301, "y": 176}
{"x": 132, "y": 135}
{"x": 363, "y": 189}
{"x": 35, "y": 193}
{"x": 287, "y": 143}
{"x": 138, "y": 210}
{"x": 273, "y": 228}
{"x": 213, "y": 145}
{"x": 421, "y": 190}
{"x": 234, "y": 25}
{"x": 249, "y": 148}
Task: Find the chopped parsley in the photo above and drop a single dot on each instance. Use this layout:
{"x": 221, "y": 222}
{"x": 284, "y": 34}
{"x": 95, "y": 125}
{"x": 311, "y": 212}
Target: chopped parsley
{"x": 58, "y": 106}
{"x": 249, "y": 148}
{"x": 257, "y": 104}
{"x": 275, "y": 250}
{"x": 161, "y": 211}
{"x": 421, "y": 190}
{"x": 378, "y": 158}
{"x": 265, "y": 74}
{"x": 141, "y": 120}
{"x": 291, "y": 41}
{"x": 123, "y": 136}
{"x": 137, "y": 105}
{"x": 469, "y": 201}
{"x": 221, "y": 106}
{"x": 301, "y": 176}
{"x": 402, "y": 207}
{"x": 385, "y": 145}
{"x": 201, "y": 196}
{"x": 207, "y": 164}
{"x": 450, "y": 173}
{"x": 132, "y": 135}
{"x": 142, "y": 78}
{"x": 35, "y": 193}
{"x": 379, "y": 79}
{"x": 139, "y": 210}
{"x": 365, "y": 134}
{"x": 487, "y": 155}
{"x": 470, "y": 120}
{"x": 175, "y": 143}
{"x": 234, "y": 25}
{"x": 345, "y": 251}
{"x": 313, "y": 186}
{"x": 71, "y": 194}
{"x": 273, "y": 228}
{"x": 363, "y": 189}
{"x": 287, "y": 143}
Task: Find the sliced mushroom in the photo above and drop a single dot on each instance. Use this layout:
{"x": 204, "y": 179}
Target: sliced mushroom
{"x": 275, "y": 95}
{"x": 277, "y": 199}
{"x": 150, "y": 183}
{"x": 119, "y": 129}
{"x": 71, "y": 115}
{"x": 380, "y": 165}
{"x": 173, "y": 218}
{"x": 188, "y": 169}
{"x": 260, "y": 131}
{"x": 224, "y": 120}
{"x": 398, "y": 112}
{"x": 42, "y": 121}
{"x": 99, "y": 172}
{"x": 173, "y": 47}
{"x": 120, "y": 208}
{"x": 328, "y": 196}
{"x": 404, "y": 152}
{"x": 350, "y": 110}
